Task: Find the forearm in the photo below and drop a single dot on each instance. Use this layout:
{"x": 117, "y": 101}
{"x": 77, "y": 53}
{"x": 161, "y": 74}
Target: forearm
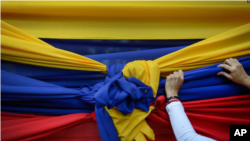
{"x": 181, "y": 125}
{"x": 247, "y": 82}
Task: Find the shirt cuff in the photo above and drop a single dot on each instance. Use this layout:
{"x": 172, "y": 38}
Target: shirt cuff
{"x": 174, "y": 105}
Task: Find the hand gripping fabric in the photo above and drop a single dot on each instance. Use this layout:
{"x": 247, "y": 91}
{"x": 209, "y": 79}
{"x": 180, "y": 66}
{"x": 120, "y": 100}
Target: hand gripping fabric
{"x": 233, "y": 43}
{"x": 20, "y": 47}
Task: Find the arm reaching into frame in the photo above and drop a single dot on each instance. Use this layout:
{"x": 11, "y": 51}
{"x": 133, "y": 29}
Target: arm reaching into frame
{"x": 181, "y": 125}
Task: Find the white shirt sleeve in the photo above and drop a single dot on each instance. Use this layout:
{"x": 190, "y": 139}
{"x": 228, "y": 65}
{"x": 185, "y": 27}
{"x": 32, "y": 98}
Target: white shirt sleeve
{"x": 181, "y": 125}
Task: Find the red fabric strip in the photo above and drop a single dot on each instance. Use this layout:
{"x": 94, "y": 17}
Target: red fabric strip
{"x": 210, "y": 118}
{"x": 29, "y": 127}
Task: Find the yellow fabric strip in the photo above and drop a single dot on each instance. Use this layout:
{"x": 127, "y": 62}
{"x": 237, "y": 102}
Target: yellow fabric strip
{"x": 125, "y": 19}
{"x": 133, "y": 126}
{"x": 18, "y": 46}
{"x": 234, "y": 43}
{"x": 135, "y": 121}
{"x": 146, "y": 71}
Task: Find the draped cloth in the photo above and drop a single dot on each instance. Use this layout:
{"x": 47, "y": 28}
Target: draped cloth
{"x": 24, "y": 48}
{"x": 122, "y": 100}
{"x": 210, "y": 117}
{"x": 203, "y": 79}
{"x": 233, "y": 43}
{"x": 41, "y": 125}
{"x": 126, "y": 19}
{"x": 131, "y": 112}
{"x": 215, "y": 114}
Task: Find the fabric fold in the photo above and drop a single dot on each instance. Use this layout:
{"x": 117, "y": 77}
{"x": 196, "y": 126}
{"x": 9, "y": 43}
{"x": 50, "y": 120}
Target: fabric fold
{"x": 125, "y": 94}
{"x": 125, "y": 19}
{"x": 17, "y": 126}
{"x": 233, "y": 43}
{"x": 214, "y": 114}
{"x": 18, "y": 46}
{"x": 132, "y": 126}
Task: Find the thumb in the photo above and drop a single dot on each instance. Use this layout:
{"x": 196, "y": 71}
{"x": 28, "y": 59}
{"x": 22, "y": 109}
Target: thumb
{"x": 225, "y": 74}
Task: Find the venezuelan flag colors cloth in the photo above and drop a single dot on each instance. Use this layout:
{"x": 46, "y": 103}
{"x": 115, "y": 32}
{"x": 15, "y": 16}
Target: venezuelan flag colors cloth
{"x": 47, "y": 72}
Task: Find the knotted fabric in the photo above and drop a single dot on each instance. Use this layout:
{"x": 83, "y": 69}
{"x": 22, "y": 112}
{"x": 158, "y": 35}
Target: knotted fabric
{"x": 125, "y": 94}
{"x": 129, "y": 94}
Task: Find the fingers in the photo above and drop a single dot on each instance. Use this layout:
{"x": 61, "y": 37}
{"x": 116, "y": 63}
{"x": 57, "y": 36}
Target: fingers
{"x": 225, "y": 66}
{"x": 225, "y": 74}
{"x": 229, "y": 61}
{"x": 181, "y": 74}
{"x": 236, "y": 60}
{"x": 170, "y": 76}
{"x": 236, "y": 64}
{"x": 231, "y": 64}
{"x": 176, "y": 74}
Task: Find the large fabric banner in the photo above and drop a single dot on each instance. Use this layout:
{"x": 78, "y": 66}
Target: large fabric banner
{"x": 55, "y": 79}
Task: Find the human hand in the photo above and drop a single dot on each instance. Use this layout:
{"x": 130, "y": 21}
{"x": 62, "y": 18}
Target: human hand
{"x": 237, "y": 72}
{"x": 173, "y": 83}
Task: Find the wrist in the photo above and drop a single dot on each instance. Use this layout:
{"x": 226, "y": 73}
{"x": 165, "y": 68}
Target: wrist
{"x": 173, "y": 99}
{"x": 169, "y": 94}
{"x": 246, "y": 82}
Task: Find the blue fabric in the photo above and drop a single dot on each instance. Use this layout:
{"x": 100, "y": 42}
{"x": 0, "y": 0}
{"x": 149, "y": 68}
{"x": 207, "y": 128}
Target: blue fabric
{"x": 205, "y": 80}
{"x": 50, "y": 91}
{"x": 39, "y": 87}
{"x": 125, "y": 94}
{"x": 106, "y": 126}
{"x": 22, "y": 94}
{"x": 90, "y": 47}
{"x": 73, "y": 78}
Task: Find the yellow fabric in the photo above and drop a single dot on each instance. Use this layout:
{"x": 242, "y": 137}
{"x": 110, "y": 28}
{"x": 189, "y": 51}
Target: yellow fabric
{"x": 18, "y": 46}
{"x": 135, "y": 121}
{"x": 234, "y": 43}
{"x": 125, "y": 19}
{"x": 146, "y": 71}
{"x": 133, "y": 126}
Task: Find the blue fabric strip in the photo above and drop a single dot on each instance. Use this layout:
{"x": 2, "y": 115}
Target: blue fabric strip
{"x": 74, "y": 79}
{"x": 106, "y": 126}
{"x": 90, "y": 47}
{"x": 20, "y": 91}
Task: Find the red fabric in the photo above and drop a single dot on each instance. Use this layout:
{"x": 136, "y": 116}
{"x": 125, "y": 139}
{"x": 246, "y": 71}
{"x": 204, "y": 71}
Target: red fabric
{"x": 28, "y": 127}
{"x": 211, "y": 117}
{"x": 83, "y": 132}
